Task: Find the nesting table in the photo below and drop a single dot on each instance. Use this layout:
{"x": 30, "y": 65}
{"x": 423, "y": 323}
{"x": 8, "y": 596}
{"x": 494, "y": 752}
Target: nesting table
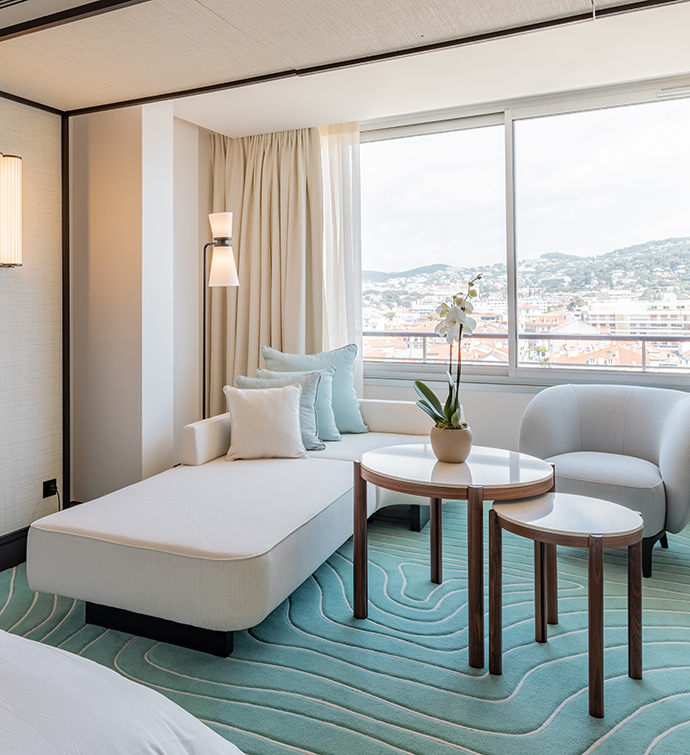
{"x": 582, "y": 522}
{"x": 488, "y": 474}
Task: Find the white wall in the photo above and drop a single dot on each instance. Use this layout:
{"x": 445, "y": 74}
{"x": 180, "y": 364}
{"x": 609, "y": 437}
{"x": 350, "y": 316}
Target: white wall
{"x": 135, "y": 292}
{"x": 106, "y": 248}
{"x": 493, "y": 412}
{"x": 157, "y": 290}
{"x": 31, "y": 324}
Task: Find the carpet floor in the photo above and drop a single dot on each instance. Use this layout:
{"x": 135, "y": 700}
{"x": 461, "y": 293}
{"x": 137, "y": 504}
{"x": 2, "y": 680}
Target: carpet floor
{"x": 312, "y": 679}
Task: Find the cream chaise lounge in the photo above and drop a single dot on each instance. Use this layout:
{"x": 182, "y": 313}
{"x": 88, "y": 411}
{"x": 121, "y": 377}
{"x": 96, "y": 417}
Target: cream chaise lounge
{"x": 210, "y": 547}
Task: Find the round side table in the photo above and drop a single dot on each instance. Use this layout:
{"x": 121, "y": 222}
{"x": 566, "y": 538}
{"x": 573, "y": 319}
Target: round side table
{"x": 488, "y": 474}
{"x": 563, "y": 519}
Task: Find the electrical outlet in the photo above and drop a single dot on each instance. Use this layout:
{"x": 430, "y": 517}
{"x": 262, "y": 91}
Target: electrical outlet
{"x": 50, "y": 488}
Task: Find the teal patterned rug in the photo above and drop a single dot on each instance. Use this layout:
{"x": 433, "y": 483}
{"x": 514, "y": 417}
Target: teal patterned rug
{"x": 312, "y": 679}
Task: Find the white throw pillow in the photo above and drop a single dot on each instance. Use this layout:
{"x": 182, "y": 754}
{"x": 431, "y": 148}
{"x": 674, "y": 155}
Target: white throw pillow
{"x": 265, "y": 423}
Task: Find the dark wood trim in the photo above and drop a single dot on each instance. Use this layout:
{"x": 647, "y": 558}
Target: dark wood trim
{"x": 476, "y": 495}
{"x": 495, "y": 595}
{"x": 13, "y": 548}
{"x": 551, "y": 567}
{"x": 404, "y": 52}
{"x": 65, "y": 17}
{"x": 30, "y": 103}
{"x": 215, "y": 642}
{"x": 360, "y": 598}
{"x": 569, "y": 539}
{"x": 539, "y": 591}
{"x": 66, "y": 331}
{"x": 459, "y": 492}
{"x": 436, "y": 537}
{"x": 635, "y": 611}
{"x": 185, "y": 93}
{"x": 595, "y": 601}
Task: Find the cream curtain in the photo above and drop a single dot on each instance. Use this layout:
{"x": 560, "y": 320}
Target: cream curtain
{"x": 342, "y": 286}
{"x": 273, "y": 185}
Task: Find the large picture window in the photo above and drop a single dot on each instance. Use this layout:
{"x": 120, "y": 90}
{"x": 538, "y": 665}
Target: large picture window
{"x": 603, "y": 237}
{"x": 433, "y": 216}
{"x": 595, "y": 232}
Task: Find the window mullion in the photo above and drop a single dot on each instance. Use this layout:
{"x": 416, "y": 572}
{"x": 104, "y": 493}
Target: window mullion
{"x": 511, "y": 262}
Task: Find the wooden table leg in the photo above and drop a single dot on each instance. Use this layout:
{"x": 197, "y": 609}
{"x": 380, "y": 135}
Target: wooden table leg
{"x": 552, "y": 570}
{"x": 539, "y": 592}
{"x": 551, "y": 564}
{"x": 360, "y": 562}
{"x": 495, "y": 595}
{"x": 475, "y": 574}
{"x": 635, "y": 610}
{"x": 436, "y": 531}
{"x": 596, "y": 626}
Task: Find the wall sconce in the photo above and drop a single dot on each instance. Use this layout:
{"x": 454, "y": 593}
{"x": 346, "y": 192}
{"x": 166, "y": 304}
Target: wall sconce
{"x": 223, "y": 273}
{"x": 10, "y": 211}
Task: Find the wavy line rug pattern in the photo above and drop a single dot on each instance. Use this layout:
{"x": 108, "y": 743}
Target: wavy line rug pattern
{"x": 312, "y": 679}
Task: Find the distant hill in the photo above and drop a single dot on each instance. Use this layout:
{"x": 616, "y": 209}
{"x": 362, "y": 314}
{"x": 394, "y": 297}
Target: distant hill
{"x": 375, "y": 276}
{"x": 647, "y": 269}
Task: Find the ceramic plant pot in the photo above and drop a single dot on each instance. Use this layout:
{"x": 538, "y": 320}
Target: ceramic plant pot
{"x": 451, "y": 446}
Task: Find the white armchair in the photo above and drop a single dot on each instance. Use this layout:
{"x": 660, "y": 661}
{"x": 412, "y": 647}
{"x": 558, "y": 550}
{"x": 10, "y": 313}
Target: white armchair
{"x": 629, "y": 445}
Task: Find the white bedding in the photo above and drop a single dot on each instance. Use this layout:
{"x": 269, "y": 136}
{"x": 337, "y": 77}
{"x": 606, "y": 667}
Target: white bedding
{"x": 54, "y": 702}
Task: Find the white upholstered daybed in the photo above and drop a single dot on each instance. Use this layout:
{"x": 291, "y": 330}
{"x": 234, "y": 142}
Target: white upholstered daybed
{"x": 211, "y": 547}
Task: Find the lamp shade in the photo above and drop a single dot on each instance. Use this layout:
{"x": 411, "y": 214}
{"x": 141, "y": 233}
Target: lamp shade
{"x": 223, "y": 269}
{"x": 10, "y": 211}
{"x": 221, "y": 225}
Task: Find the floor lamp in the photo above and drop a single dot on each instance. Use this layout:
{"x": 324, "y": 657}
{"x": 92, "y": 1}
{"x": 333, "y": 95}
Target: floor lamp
{"x": 223, "y": 273}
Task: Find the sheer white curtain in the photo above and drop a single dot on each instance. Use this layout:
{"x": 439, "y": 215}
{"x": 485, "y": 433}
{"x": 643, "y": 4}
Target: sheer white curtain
{"x": 342, "y": 285}
{"x": 273, "y": 185}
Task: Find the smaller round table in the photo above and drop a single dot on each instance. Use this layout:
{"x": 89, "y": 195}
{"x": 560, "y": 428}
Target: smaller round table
{"x": 564, "y": 519}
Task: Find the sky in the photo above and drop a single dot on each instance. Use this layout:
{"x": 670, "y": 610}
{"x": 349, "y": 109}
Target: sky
{"x": 586, "y": 183}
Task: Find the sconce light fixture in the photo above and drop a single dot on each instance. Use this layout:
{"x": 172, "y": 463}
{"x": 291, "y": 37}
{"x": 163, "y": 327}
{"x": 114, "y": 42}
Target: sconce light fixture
{"x": 10, "y": 211}
{"x": 223, "y": 273}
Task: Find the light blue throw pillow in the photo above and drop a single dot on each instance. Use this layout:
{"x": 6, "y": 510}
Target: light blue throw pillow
{"x": 348, "y": 416}
{"x": 327, "y": 429}
{"x": 307, "y": 415}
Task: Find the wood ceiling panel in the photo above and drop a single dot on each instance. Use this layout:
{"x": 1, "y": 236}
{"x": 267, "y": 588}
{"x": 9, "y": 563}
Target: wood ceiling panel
{"x": 166, "y": 46}
{"x": 313, "y": 32}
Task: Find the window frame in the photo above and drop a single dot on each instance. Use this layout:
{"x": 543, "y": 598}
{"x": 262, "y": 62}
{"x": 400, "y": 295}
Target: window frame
{"x": 507, "y": 113}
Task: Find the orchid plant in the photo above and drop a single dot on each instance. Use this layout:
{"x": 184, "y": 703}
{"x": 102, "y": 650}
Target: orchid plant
{"x": 455, "y": 321}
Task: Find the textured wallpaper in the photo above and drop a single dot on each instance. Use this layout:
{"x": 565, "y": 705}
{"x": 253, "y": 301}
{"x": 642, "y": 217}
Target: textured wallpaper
{"x": 31, "y": 325}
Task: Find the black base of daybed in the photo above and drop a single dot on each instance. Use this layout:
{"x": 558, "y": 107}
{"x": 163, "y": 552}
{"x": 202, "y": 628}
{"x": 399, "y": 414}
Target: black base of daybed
{"x": 195, "y": 638}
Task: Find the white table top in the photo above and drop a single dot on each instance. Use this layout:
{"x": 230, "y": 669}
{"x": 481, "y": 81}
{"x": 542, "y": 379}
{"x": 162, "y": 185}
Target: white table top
{"x": 489, "y": 467}
{"x": 568, "y": 514}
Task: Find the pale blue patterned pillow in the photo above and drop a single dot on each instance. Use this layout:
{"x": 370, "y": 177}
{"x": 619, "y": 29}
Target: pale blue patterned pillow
{"x": 348, "y": 416}
{"x": 307, "y": 415}
{"x": 327, "y": 429}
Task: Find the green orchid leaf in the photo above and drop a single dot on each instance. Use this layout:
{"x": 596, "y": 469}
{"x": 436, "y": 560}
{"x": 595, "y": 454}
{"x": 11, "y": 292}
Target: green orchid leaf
{"x": 451, "y": 403}
{"x": 424, "y": 407}
{"x": 426, "y": 393}
{"x": 456, "y": 419}
{"x": 431, "y": 409}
